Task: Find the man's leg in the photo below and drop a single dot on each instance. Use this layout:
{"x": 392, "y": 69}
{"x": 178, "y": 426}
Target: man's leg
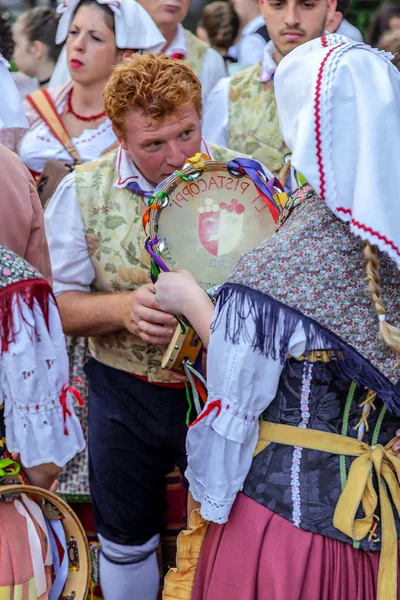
{"x": 129, "y": 571}
{"x": 129, "y": 428}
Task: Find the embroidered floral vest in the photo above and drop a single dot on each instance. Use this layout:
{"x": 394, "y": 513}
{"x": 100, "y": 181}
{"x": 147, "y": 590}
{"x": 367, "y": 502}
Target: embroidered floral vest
{"x": 253, "y": 119}
{"x": 196, "y": 52}
{"x": 115, "y": 237}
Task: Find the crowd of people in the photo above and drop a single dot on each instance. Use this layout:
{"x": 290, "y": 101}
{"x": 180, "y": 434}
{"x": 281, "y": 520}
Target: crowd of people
{"x": 291, "y": 467}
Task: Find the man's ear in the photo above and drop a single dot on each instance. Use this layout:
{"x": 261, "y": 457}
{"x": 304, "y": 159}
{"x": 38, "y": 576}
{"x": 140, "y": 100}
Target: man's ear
{"x": 120, "y": 138}
{"x": 38, "y": 49}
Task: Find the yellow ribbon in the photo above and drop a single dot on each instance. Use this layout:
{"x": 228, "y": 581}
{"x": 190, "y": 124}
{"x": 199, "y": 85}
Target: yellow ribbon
{"x": 359, "y": 489}
{"x": 198, "y": 160}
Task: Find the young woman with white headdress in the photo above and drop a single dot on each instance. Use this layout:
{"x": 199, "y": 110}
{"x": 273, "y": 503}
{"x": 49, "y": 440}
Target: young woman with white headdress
{"x": 97, "y": 34}
{"x": 295, "y": 458}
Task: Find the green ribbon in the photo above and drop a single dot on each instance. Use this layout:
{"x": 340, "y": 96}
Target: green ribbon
{"x": 9, "y": 467}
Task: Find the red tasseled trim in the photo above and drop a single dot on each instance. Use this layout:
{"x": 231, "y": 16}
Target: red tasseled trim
{"x": 26, "y": 291}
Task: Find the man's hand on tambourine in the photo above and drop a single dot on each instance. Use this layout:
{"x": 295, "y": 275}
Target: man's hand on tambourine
{"x": 146, "y": 320}
{"x": 175, "y": 290}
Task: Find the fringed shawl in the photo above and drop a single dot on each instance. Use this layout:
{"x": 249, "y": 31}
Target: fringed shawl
{"x": 312, "y": 272}
{"x": 19, "y": 283}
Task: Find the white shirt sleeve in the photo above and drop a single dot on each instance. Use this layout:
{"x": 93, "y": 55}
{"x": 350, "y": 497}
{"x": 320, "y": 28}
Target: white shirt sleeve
{"x": 33, "y": 373}
{"x": 216, "y": 114}
{"x": 241, "y": 385}
{"x": 212, "y": 70}
{"x": 250, "y": 49}
{"x": 70, "y": 261}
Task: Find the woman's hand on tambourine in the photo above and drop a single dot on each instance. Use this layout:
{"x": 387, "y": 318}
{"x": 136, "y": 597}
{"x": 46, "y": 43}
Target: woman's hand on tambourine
{"x": 175, "y": 290}
{"x": 146, "y": 320}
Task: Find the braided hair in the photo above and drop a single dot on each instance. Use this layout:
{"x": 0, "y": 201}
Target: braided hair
{"x": 389, "y": 334}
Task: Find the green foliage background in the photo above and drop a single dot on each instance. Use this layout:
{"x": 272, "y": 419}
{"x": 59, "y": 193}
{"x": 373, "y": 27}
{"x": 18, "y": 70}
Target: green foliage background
{"x": 361, "y": 12}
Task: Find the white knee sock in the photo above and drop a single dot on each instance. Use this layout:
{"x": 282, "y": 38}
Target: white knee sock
{"x": 129, "y": 572}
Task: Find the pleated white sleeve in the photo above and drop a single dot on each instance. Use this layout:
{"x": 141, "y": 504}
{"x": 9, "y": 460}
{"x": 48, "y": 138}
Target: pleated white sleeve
{"x": 241, "y": 384}
{"x": 39, "y": 417}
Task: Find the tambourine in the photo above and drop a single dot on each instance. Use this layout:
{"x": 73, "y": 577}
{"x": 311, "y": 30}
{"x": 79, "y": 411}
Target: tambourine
{"x": 54, "y": 508}
{"x": 203, "y": 219}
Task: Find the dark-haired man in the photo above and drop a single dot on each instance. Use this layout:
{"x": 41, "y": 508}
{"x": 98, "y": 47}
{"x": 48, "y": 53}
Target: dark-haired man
{"x": 241, "y": 112}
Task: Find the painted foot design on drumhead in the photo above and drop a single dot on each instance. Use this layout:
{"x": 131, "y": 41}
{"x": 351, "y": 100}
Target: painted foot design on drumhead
{"x": 220, "y": 225}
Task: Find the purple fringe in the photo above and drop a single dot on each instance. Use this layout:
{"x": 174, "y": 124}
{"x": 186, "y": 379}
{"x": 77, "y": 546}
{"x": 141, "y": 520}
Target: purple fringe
{"x": 240, "y": 305}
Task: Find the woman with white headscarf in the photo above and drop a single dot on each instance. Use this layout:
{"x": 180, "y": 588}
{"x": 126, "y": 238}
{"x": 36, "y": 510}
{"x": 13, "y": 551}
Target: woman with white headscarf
{"x": 97, "y": 34}
{"x": 294, "y": 460}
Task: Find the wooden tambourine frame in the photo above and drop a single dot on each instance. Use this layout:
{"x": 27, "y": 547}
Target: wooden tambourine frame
{"x": 78, "y": 580}
{"x": 232, "y": 205}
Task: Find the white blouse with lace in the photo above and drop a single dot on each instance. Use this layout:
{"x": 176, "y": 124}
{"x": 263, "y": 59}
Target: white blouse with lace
{"x": 39, "y": 145}
{"x": 220, "y": 444}
{"x": 33, "y": 373}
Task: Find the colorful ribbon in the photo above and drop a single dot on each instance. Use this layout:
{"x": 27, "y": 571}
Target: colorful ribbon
{"x": 156, "y": 257}
{"x": 9, "y": 467}
{"x": 267, "y": 190}
{"x": 59, "y": 549}
{"x": 63, "y": 400}
{"x": 135, "y": 188}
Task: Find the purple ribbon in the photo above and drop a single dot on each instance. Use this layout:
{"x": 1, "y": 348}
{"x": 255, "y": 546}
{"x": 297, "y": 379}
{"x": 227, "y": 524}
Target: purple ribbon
{"x": 252, "y": 169}
{"x": 156, "y": 257}
{"x": 135, "y": 188}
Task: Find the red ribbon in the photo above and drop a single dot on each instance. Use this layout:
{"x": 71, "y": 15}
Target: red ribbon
{"x": 63, "y": 400}
{"x": 177, "y": 56}
{"x": 209, "y": 409}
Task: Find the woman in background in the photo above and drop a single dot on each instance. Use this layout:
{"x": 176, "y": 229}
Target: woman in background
{"x": 219, "y": 26}
{"x": 390, "y": 42}
{"x": 97, "y": 38}
{"x": 386, "y": 18}
{"x": 35, "y": 48}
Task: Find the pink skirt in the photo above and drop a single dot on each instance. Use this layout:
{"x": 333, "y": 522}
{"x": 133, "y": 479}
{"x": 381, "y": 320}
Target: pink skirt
{"x": 16, "y": 571}
{"x": 259, "y": 555}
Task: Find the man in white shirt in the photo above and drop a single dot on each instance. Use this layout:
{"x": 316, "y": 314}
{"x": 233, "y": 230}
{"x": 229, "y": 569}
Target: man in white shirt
{"x": 253, "y": 33}
{"x": 137, "y": 415}
{"x": 207, "y": 64}
{"x": 241, "y": 112}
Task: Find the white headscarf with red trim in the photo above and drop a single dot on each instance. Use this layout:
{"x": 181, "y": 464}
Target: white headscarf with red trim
{"x": 134, "y": 28}
{"x": 339, "y": 110}
{"x": 11, "y": 112}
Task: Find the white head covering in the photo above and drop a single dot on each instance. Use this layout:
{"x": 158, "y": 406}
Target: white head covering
{"x": 134, "y": 28}
{"x": 11, "y": 112}
{"x": 339, "y": 110}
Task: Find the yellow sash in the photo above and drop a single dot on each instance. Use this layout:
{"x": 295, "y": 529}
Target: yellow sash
{"x": 358, "y": 489}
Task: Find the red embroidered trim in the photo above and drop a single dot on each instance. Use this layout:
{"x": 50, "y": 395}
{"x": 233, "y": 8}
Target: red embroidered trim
{"x": 317, "y": 107}
{"x": 324, "y": 41}
{"x": 207, "y": 411}
{"x": 370, "y": 230}
{"x": 123, "y": 181}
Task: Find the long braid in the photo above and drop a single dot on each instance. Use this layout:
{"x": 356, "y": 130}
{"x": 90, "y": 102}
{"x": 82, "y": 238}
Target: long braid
{"x": 389, "y": 334}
